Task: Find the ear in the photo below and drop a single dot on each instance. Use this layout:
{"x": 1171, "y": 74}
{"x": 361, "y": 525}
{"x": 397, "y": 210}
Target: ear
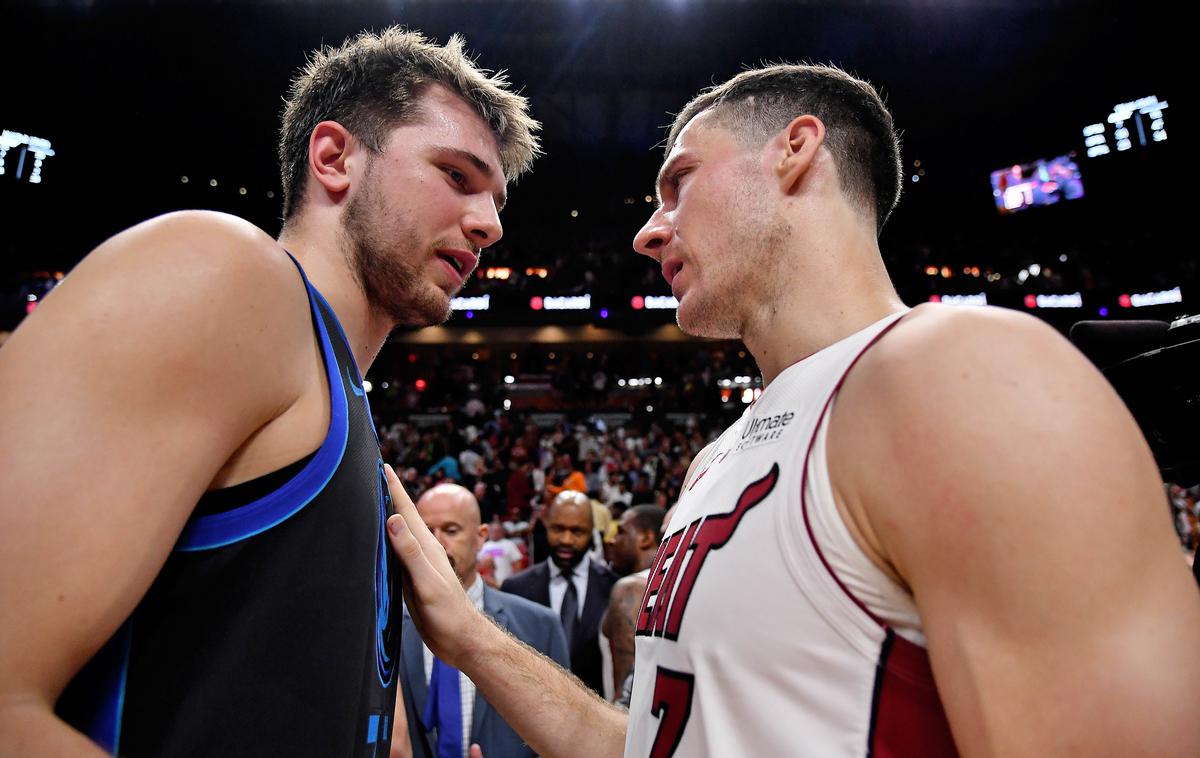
{"x": 646, "y": 540}
{"x": 481, "y": 538}
{"x": 801, "y": 140}
{"x": 329, "y": 148}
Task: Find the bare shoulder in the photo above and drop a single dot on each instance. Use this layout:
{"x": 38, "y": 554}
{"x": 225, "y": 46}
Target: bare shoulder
{"x": 945, "y": 374}
{"x": 190, "y": 251}
{"x": 628, "y": 586}
{"x": 624, "y": 603}
{"x": 208, "y": 284}
{"x": 959, "y": 411}
{"x": 125, "y": 392}
{"x": 977, "y": 456}
{"x": 932, "y": 340}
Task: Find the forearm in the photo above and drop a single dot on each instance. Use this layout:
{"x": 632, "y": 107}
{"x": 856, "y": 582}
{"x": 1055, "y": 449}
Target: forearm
{"x": 31, "y": 730}
{"x": 551, "y": 709}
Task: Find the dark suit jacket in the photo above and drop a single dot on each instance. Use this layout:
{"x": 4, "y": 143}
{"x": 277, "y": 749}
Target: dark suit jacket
{"x": 529, "y": 622}
{"x": 534, "y": 583}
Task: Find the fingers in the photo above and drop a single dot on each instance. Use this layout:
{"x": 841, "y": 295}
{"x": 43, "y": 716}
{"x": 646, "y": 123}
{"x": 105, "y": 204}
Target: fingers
{"x": 476, "y": 752}
{"x": 404, "y": 532}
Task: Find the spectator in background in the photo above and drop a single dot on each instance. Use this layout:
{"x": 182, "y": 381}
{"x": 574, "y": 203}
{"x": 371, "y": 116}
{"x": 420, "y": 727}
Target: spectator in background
{"x": 471, "y": 462}
{"x": 465, "y": 718}
{"x": 519, "y": 491}
{"x": 570, "y": 583}
{"x": 447, "y": 466}
{"x": 631, "y": 551}
{"x": 565, "y": 477}
{"x": 505, "y": 557}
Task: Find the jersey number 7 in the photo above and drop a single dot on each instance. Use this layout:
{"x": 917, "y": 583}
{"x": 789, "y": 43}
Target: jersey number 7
{"x": 672, "y": 705}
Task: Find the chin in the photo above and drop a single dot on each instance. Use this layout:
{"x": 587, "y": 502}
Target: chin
{"x": 708, "y": 321}
{"x": 422, "y": 310}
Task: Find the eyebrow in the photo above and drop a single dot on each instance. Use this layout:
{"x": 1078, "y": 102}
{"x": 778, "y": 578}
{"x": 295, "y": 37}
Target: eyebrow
{"x": 666, "y": 169}
{"x": 481, "y": 166}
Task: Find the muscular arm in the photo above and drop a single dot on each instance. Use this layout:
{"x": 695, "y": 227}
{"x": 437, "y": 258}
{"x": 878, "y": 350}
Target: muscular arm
{"x": 123, "y": 394}
{"x": 619, "y": 623}
{"x": 986, "y": 464}
{"x": 546, "y": 705}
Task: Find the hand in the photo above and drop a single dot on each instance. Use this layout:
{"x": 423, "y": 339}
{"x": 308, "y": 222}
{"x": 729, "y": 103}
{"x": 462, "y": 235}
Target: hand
{"x": 439, "y": 607}
{"x": 476, "y": 752}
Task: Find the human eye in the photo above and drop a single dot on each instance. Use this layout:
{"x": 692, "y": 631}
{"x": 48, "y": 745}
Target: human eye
{"x": 456, "y": 176}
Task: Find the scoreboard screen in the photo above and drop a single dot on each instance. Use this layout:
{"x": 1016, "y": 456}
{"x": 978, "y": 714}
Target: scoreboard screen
{"x": 1137, "y": 124}
{"x": 22, "y": 156}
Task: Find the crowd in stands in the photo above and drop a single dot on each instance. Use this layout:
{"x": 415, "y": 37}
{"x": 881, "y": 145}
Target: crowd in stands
{"x": 514, "y": 466}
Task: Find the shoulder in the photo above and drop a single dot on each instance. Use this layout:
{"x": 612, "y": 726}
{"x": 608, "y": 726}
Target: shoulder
{"x": 631, "y": 586}
{"x": 196, "y": 294}
{"x": 526, "y": 577}
{"x": 523, "y": 607}
{"x": 203, "y": 242}
{"x": 931, "y": 338}
{"x": 194, "y": 268}
{"x": 942, "y": 369}
{"x": 959, "y": 415}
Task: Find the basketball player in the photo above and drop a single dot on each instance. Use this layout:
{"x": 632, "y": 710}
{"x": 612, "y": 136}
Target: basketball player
{"x": 938, "y": 530}
{"x": 191, "y": 497}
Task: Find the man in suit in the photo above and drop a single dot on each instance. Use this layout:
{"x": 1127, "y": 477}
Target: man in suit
{"x": 571, "y": 584}
{"x": 441, "y": 708}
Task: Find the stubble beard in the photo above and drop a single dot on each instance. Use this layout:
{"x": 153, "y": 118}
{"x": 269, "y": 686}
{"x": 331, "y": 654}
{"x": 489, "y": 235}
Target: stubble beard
{"x": 383, "y": 249}
{"x": 743, "y": 273}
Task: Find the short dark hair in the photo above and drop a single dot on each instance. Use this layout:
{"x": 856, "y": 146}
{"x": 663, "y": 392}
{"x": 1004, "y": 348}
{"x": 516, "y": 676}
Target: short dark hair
{"x": 859, "y": 129}
{"x": 374, "y": 82}
{"x": 648, "y": 518}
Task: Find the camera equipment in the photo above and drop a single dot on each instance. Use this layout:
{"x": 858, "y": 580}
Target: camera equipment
{"x": 1154, "y": 367}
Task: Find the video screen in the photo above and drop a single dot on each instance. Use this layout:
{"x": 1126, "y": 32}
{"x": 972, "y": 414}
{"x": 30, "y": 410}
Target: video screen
{"x": 1044, "y": 182}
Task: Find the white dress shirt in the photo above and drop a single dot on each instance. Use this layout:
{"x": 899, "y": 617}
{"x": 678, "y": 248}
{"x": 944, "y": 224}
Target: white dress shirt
{"x": 466, "y": 687}
{"x": 558, "y": 585}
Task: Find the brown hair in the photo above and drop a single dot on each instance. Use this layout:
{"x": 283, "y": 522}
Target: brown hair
{"x": 859, "y": 129}
{"x": 374, "y": 82}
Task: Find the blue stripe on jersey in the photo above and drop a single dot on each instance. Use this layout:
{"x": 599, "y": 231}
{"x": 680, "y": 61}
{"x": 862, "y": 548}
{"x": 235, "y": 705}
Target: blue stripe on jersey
{"x": 220, "y": 529}
{"x": 358, "y": 388}
{"x": 105, "y": 675}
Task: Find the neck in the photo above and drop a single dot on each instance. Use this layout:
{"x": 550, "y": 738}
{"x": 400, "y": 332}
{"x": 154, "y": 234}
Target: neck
{"x": 644, "y": 561}
{"x": 318, "y": 245}
{"x": 845, "y": 290}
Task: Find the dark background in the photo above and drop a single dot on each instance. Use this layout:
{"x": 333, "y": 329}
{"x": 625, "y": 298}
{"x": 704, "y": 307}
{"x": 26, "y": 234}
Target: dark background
{"x": 136, "y": 95}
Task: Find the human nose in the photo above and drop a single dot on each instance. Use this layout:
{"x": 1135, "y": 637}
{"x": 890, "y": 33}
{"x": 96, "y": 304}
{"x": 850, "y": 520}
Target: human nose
{"x": 481, "y": 222}
{"x": 654, "y": 235}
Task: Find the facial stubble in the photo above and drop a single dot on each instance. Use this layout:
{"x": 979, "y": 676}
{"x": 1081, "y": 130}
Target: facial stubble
{"x": 384, "y": 251}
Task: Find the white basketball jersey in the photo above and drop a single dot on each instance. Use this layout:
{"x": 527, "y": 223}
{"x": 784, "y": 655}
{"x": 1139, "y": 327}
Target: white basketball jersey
{"x": 748, "y": 644}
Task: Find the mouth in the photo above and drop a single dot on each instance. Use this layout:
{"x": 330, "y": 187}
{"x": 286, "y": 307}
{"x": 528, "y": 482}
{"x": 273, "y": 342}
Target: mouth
{"x": 671, "y": 269}
{"x": 461, "y": 262}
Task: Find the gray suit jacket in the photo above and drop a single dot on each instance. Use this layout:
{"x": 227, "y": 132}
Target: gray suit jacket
{"x": 533, "y": 624}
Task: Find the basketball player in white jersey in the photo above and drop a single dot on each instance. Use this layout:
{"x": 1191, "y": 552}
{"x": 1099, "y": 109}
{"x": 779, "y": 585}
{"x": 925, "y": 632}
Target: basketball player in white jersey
{"x": 937, "y": 531}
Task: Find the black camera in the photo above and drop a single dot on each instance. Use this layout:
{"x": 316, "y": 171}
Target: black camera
{"x": 1155, "y": 368}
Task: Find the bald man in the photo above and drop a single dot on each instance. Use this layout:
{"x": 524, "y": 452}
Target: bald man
{"x": 575, "y": 587}
{"x": 453, "y": 721}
